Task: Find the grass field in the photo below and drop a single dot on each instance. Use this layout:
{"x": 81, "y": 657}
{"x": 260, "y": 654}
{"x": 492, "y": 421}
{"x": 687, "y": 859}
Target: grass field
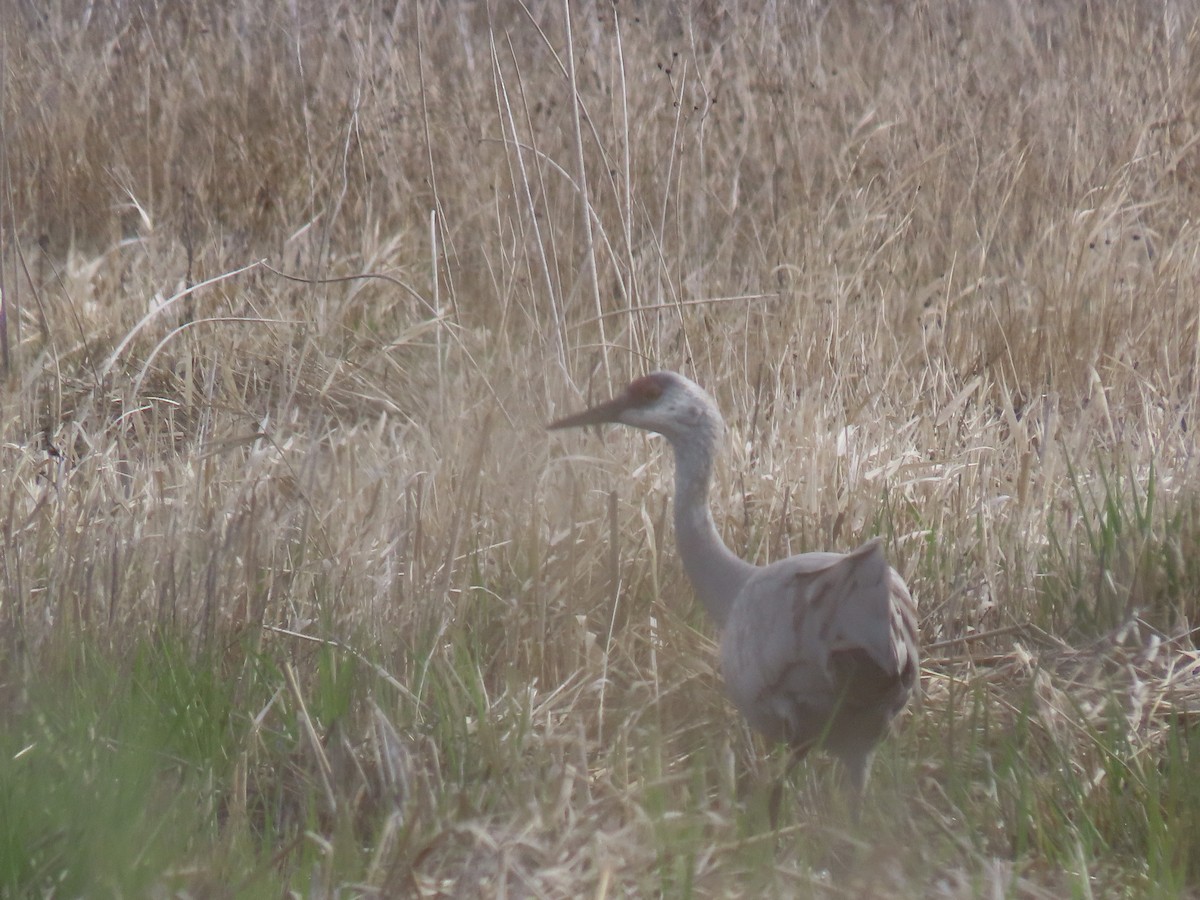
{"x": 298, "y": 596}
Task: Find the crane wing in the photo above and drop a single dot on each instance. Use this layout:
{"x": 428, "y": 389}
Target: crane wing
{"x": 849, "y": 606}
{"x": 806, "y": 625}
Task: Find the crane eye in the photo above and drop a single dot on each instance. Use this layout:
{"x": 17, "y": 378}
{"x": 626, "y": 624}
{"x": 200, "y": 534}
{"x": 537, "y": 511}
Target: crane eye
{"x": 645, "y": 390}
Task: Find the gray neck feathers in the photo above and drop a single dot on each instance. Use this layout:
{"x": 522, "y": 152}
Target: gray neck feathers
{"x": 717, "y": 575}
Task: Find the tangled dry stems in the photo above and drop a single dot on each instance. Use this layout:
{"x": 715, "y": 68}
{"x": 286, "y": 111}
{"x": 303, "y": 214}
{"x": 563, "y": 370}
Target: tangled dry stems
{"x": 939, "y": 295}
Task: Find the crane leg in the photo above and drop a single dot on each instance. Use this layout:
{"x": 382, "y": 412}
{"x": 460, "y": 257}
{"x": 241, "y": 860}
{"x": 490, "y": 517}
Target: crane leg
{"x": 799, "y": 751}
{"x": 857, "y": 772}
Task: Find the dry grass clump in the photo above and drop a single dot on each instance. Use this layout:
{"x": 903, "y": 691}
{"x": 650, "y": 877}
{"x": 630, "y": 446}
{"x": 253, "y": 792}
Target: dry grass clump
{"x": 298, "y": 597}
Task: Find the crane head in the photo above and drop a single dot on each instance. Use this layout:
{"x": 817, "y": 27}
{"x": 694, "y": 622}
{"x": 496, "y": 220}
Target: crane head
{"x": 662, "y": 402}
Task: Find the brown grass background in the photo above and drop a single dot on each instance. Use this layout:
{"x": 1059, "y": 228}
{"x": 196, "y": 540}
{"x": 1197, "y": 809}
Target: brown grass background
{"x": 290, "y": 290}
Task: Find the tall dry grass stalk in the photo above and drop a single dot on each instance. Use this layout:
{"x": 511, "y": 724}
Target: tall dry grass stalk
{"x": 290, "y": 289}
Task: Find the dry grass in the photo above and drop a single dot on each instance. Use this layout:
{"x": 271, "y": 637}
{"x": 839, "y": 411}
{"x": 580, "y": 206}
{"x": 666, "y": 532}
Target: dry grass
{"x": 298, "y": 595}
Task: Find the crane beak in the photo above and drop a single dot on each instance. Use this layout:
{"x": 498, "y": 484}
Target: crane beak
{"x": 601, "y": 412}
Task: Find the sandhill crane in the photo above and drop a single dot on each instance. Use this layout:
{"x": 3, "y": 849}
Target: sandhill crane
{"x": 817, "y": 650}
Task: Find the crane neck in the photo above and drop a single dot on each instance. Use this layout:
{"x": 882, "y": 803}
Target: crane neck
{"x": 716, "y": 574}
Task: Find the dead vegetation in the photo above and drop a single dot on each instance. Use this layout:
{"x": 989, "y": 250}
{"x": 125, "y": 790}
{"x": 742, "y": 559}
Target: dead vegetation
{"x": 296, "y": 588}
